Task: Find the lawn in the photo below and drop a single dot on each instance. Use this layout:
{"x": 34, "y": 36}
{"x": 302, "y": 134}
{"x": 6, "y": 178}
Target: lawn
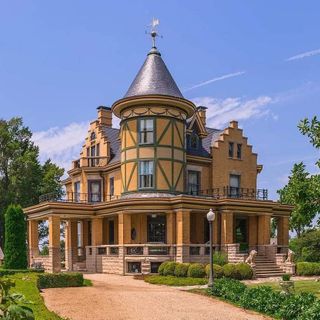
{"x": 26, "y": 285}
{"x": 300, "y": 286}
{"x": 175, "y": 281}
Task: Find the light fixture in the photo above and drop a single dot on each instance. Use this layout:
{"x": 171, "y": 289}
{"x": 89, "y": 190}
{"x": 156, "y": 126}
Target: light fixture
{"x": 211, "y": 215}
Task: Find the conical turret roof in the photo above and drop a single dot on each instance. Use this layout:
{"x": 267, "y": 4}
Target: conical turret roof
{"x": 153, "y": 78}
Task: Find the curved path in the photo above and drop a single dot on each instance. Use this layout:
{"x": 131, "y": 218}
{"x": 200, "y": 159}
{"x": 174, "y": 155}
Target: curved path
{"x": 123, "y": 298}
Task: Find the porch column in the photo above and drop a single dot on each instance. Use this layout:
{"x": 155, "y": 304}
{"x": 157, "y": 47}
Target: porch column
{"x": 283, "y": 231}
{"x": 54, "y": 244}
{"x": 97, "y": 231}
{"x": 253, "y": 232}
{"x": 171, "y": 227}
{"x": 264, "y": 230}
{"x": 215, "y": 229}
{"x": 124, "y": 228}
{"x": 183, "y": 235}
{"x": 226, "y": 227}
{"x": 33, "y": 237}
{"x": 71, "y": 236}
{"x": 84, "y": 233}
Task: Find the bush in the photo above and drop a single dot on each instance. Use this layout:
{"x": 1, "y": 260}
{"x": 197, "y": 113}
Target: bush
{"x": 220, "y": 258}
{"x": 295, "y": 305}
{"x": 312, "y": 313}
{"x": 8, "y": 272}
{"x": 169, "y": 268}
{"x": 262, "y": 299}
{"x": 15, "y": 248}
{"x": 59, "y": 280}
{"x": 286, "y": 277}
{"x": 161, "y": 267}
{"x": 308, "y": 268}
{"x": 229, "y": 270}
{"x": 243, "y": 271}
{"x": 196, "y": 270}
{"x": 181, "y": 269}
{"x": 217, "y": 271}
{"x": 228, "y": 289}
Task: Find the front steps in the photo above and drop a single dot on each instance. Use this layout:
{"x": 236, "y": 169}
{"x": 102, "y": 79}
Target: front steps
{"x": 266, "y": 268}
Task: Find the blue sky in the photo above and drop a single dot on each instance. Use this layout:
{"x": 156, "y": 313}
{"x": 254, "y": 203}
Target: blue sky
{"x": 59, "y": 60}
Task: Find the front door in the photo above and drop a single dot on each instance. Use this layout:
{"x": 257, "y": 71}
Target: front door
{"x": 241, "y": 233}
{"x": 156, "y": 228}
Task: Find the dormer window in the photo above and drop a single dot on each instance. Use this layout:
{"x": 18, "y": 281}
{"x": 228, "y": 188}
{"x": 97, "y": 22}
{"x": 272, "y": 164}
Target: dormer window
{"x": 146, "y": 131}
{"x": 194, "y": 141}
{"x": 93, "y": 136}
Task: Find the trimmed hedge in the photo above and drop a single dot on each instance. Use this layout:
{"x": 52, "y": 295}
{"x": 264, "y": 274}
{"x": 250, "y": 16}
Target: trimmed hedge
{"x": 59, "y": 280}
{"x": 169, "y": 268}
{"x": 196, "y": 270}
{"x": 264, "y": 299}
{"x": 308, "y": 268}
{"x": 161, "y": 267}
{"x": 217, "y": 271}
{"x": 220, "y": 258}
{"x": 181, "y": 269}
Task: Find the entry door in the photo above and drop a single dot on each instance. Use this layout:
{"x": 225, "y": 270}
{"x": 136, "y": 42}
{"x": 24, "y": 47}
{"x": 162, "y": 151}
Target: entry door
{"x": 241, "y": 233}
{"x": 156, "y": 228}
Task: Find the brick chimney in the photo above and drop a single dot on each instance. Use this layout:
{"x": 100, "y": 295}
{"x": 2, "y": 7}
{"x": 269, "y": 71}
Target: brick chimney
{"x": 233, "y": 124}
{"x": 105, "y": 116}
{"x": 202, "y": 113}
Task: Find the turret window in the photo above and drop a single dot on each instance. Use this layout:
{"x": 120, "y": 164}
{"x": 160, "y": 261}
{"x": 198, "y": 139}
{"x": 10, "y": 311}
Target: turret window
{"x": 145, "y": 174}
{"x": 146, "y": 131}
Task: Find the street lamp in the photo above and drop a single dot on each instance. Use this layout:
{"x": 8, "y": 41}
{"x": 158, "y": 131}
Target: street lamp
{"x": 210, "y": 216}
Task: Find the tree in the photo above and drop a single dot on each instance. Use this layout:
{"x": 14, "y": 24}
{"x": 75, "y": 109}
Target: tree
{"x": 301, "y": 192}
{"x": 22, "y": 178}
{"x": 15, "y": 249}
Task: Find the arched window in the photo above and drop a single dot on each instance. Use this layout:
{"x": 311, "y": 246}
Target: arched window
{"x": 93, "y": 136}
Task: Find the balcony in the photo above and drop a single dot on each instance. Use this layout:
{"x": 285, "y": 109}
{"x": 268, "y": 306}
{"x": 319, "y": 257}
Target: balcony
{"x": 75, "y": 197}
{"x": 232, "y": 193}
{"x": 90, "y": 162}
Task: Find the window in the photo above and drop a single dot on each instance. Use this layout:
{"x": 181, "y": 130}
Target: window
{"x": 193, "y": 182}
{"x": 145, "y": 174}
{"x": 234, "y": 186}
{"x": 111, "y": 183}
{"x": 93, "y": 136}
{"x": 239, "y": 151}
{"x": 231, "y": 145}
{"x": 111, "y": 232}
{"x": 194, "y": 141}
{"x": 76, "y": 195}
{"x": 134, "y": 267}
{"x": 94, "y": 191}
{"x": 146, "y": 131}
{"x": 156, "y": 231}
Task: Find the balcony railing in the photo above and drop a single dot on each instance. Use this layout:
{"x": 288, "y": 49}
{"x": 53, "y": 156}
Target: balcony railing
{"x": 232, "y": 192}
{"x": 90, "y": 162}
{"x": 76, "y": 197}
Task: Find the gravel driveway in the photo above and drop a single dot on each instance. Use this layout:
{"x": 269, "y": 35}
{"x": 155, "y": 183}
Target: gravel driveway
{"x": 124, "y": 298}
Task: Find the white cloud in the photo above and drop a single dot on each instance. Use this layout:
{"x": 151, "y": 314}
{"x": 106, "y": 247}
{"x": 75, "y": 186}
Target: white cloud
{"x": 226, "y": 76}
{"x": 304, "y": 55}
{"x": 61, "y": 145}
{"x": 221, "y": 111}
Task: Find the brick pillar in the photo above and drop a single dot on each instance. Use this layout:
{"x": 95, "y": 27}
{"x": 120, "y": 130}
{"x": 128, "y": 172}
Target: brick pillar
{"x": 71, "y": 236}
{"x": 183, "y": 235}
{"x": 253, "y": 232}
{"x": 283, "y": 231}
{"x": 264, "y": 229}
{"x": 33, "y": 240}
{"x": 97, "y": 231}
{"x": 171, "y": 239}
{"x": 226, "y": 227}
{"x": 54, "y": 244}
{"x": 124, "y": 228}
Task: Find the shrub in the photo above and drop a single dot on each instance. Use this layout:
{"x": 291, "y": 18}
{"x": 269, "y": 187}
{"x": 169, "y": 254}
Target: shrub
{"x": 220, "y": 258}
{"x": 243, "y": 271}
{"x": 15, "y": 248}
{"x": 229, "y": 270}
{"x": 161, "y": 267}
{"x": 228, "y": 289}
{"x": 308, "y": 268}
{"x": 286, "y": 277}
{"x": 59, "y": 280}
{"x": 295, "y": 305}
{"x": 217, "y": 271}
{"x": 262, "y": 299}
{"x": 181, "y": 269}
{"x": 169, "y": 268}
{"x": 312, "y": 313}
{"x": 8, "y": 272}
{"x": 196, "y": 270}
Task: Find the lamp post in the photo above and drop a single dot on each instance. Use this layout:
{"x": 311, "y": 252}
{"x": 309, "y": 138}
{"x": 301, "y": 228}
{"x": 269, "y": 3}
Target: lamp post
{"x": 211, "y": 216}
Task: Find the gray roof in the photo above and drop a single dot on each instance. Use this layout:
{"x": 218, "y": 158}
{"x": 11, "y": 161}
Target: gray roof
{"x": 112, "y": 135}
{"x": 153, "y": 78}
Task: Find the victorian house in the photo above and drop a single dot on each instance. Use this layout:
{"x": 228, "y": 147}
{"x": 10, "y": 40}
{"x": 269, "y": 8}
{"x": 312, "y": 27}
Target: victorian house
{"x": 138, "y": 195}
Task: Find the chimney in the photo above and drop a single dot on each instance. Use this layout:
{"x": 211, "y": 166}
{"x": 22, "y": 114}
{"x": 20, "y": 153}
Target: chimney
{"x": 202, "y": 113}
{"x": 233, "y": 124}
{"x": 105, "y": 116}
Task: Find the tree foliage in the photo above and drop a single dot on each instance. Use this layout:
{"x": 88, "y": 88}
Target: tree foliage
{"x": 15, "y": 249}
{"x": 22, "y": 177}
{"x": 301, "y": 192}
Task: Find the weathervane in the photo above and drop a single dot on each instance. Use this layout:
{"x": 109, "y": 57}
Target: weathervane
{"x": 155, "y": 22}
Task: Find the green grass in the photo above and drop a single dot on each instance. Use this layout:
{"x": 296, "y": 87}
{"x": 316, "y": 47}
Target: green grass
{"x": 175, "y": 281}
{"x": 299, "y": 285}
{"x": 26, "y": 285}
{"x": 87, "y": 283}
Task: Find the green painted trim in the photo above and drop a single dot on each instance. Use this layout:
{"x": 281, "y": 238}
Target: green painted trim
{"x": 131, "y": 174}
{"x": 175, "y": 186}
{"x": 165, "y": 176}
{"x": 164, "y": 132}
{"x": 181, "y": 141}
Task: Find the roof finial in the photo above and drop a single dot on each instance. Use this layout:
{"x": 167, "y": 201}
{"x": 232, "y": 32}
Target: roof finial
{"x": 155, "y": 22}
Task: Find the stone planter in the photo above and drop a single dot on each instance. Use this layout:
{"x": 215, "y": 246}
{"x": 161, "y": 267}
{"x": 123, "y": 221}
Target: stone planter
{"x": 287, "y": 287}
